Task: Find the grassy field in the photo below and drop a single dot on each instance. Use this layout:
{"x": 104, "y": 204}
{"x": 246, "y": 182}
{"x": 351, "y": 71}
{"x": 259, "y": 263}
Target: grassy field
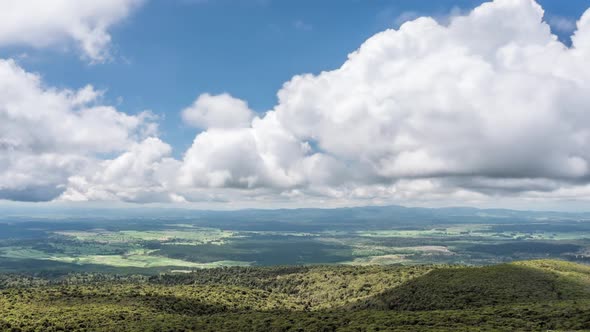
{"x": 136, "y": 258}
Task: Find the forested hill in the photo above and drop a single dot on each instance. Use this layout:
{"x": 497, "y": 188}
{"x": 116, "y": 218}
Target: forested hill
{"x": 530, "y": 295}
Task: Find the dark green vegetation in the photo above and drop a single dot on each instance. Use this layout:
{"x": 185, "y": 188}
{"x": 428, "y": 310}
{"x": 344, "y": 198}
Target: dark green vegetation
{"x": 150, "y": 241}
{"x": 530, "y": 295}
{"x": 271, "y": 250}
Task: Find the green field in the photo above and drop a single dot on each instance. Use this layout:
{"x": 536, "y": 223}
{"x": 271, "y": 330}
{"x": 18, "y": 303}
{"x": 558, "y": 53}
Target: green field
{"x": 187, "y": 248}
{"x": 191, "y": 236}
{"x": 359, "y": 236}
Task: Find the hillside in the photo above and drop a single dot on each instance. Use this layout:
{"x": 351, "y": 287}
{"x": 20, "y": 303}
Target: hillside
{"x": 528, "y": 295}
{"x": 474, "y": 287}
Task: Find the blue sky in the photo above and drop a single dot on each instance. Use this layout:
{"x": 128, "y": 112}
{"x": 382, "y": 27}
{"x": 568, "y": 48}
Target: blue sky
{"x": 170, "y": 51}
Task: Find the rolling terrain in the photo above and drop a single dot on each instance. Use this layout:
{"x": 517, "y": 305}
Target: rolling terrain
{"x": 524, "y": 295}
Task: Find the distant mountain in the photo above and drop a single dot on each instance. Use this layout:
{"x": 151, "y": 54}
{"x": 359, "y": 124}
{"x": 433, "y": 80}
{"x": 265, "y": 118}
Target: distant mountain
{"x": 369, "y": 215}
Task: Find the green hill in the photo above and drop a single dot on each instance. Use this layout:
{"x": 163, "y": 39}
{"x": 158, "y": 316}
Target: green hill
{"x": 473, "y": 287}
{"x": 529, "y": 295}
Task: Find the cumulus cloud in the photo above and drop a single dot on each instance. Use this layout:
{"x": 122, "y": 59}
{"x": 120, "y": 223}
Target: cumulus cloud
{"x": 144, "y": 173}
{"x": 489, "y": 105}
{"x": 42, "y": 23}
{"x": 218, "y": 111}
{"x": 47, "y": 135}
{"x": 263, "y": 155}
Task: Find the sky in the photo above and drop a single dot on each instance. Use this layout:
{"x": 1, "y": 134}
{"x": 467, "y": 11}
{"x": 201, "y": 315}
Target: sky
{"x": 269, "y": 103}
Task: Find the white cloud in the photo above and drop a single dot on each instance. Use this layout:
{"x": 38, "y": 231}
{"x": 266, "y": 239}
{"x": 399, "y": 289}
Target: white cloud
{"x": 42, "y": 23}
{"x": 490, "y": 105}
{"x": 144, "y": 173}
{"x": 494, "y": 94}
{"x": 263, "y": 155}
{"x": 47, "y": 135}
{"x": 581, "y": 38}
{"x": 218, "y": 111}
{"x": 40, "y": 119}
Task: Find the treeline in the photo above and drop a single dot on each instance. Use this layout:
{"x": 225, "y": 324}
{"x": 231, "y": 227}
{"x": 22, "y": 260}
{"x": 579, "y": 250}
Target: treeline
{"x": 37, "y": 280}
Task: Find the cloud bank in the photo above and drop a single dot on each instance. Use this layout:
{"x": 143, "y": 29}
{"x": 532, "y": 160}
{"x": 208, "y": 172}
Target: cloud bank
{"x": 490, "y": 105}
{"x": 48, "y": 135}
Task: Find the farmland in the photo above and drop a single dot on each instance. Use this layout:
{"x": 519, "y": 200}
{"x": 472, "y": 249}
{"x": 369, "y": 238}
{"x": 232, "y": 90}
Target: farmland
{"x": 261, "y": 238}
